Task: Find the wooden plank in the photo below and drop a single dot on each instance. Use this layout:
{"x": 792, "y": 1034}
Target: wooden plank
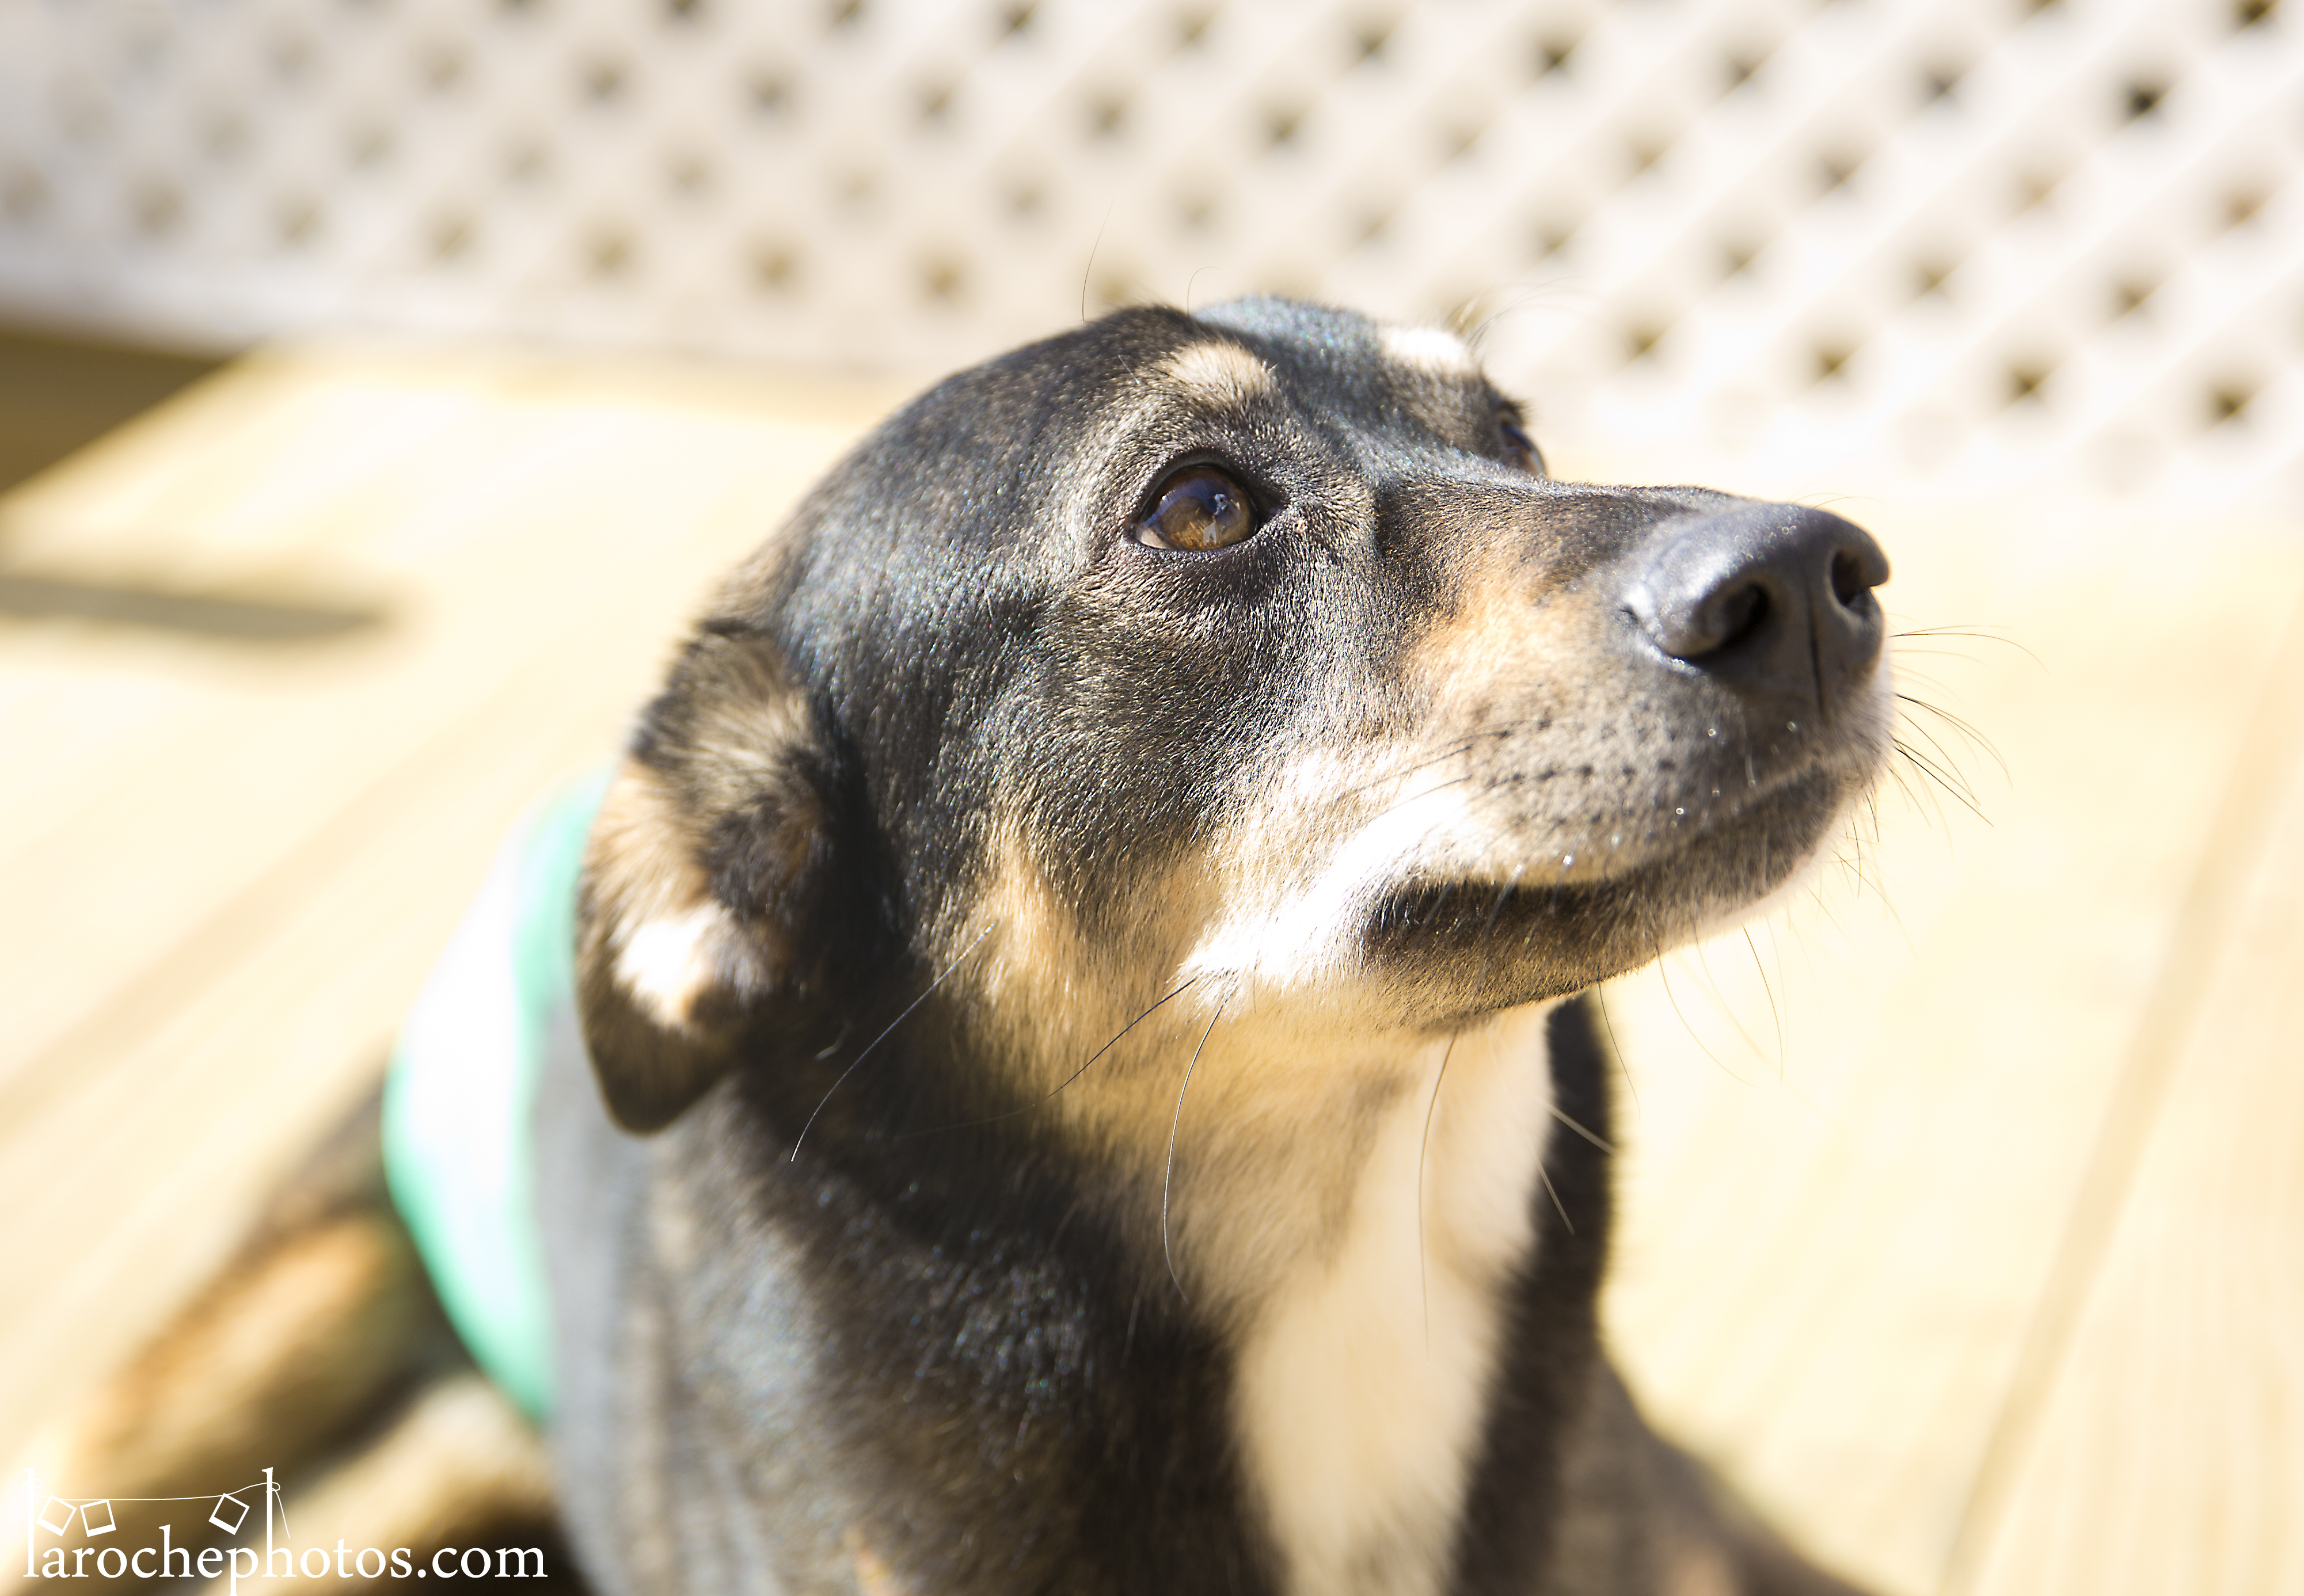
{"x": 2168, "y": 1453}
{"x": 1831, "y": 1251}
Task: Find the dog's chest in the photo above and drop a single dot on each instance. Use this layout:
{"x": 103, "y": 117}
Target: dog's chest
{"x": 1366, "y": 1372}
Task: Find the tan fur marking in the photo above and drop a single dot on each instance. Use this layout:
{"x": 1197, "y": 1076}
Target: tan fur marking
{"x": 1700, "y": 1571}
{"x": 1036, "y": 974}
{"x": 1500, "y": 633}
{"x": 1220, "y": 376}
{"x": 874, "y": 1578}
{"x": 1053, "y": 995}
{"x": 1036, "y": 956}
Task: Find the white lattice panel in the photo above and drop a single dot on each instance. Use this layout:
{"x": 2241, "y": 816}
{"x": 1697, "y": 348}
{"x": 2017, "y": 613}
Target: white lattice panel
{"x": 1978, "y": 239}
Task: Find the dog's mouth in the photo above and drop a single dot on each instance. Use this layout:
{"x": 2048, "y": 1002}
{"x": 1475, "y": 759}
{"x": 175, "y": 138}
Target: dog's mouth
{"x": 1562, "y": 922}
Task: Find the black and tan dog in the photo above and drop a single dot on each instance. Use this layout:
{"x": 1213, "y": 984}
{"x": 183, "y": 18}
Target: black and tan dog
{"x": 1087, "y": 1089}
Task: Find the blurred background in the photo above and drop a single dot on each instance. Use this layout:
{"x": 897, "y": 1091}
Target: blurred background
{"x": 382, "y": 380}
{"x": 1982, "y": 240}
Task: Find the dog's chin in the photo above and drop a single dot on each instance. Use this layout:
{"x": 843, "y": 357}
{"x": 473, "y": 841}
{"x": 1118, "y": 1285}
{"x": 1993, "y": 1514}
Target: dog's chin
{"x": 1463, "y": 948}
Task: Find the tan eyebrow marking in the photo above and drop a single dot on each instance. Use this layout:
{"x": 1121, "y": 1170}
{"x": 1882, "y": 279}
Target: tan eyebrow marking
{"x": 1222, "y": 374}
{"x": 1429, "y": 351}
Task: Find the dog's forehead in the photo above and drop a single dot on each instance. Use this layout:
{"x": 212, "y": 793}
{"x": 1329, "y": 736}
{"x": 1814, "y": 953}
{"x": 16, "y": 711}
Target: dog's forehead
{"x": 1324, "y": 357}
{"x": 1162, "y": 371}
{"x": 1305, "y": 398}
{"x": 1344, "y": 339}
{"x": 997, "y": 491}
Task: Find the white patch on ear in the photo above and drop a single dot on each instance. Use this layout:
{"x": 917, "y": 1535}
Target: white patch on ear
{"x": 1365, "y": 1373}
{"x": 1429, "y": 351}
{"x": 667, "y": 941}
{"x": 666, "y": 963}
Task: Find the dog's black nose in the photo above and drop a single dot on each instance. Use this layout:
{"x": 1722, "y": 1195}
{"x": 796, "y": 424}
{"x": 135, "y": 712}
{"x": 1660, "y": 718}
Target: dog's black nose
{"x": 1765, "y": 598}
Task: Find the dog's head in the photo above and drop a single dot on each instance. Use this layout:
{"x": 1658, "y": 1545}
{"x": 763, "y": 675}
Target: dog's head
{"x": 1248, "y": 656}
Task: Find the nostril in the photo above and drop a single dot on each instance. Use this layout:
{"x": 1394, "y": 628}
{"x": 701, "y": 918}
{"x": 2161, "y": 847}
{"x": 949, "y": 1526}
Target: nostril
{"x": 1847, "y": 580}
{"x": 1742, "y": 613}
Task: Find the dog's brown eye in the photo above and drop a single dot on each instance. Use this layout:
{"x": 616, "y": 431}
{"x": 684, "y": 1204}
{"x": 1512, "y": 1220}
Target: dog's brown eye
{"x": 1200, "y": 508}
{"x": 1520, "y": 447}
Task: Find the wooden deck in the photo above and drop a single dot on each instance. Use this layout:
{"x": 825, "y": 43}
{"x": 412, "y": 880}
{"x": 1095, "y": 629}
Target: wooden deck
{"x": 1966, "y": 1213}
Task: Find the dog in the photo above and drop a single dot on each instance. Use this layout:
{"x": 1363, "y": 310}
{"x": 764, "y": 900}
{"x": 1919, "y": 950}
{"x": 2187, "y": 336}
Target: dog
{"x": 1076, "y": 1074}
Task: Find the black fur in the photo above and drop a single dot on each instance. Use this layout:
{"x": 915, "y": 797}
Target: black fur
{"x": 1553, "y": 1342}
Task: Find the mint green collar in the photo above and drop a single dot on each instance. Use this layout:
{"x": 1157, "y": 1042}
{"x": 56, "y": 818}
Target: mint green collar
{"x": 457, "y": 1144}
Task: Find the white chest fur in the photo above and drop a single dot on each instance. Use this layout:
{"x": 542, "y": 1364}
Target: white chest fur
{"x": 1365, "y": 1371}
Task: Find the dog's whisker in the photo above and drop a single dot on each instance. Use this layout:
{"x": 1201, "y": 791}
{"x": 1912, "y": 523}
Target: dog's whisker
{"x": 1922, "y": 796}
{"x": 1552, "y": 1192}
{"x": 1488, "y": 931}
{"x": 1982, "y": 634}
{"x": 1774, "y": 1013}
{"x": 1943, "y": 758}
{"x": 1087, "y": 270}
{"x": 1168, "y": 1174}
{"x": 1418, "y": 768}
{"x": 1502, "y": 731}
{"x": 1879, "y": 890}
{"x": 1178, "y": 991}
{"x": 958, "y": 959}
{"x": 1044, "y": 1102}
{"x": 1423, "y": 1151}
{"x": 1823, "y": 904}
{"x": 1601, "y": 1142}
{"x": 1721, "y": 1003}
{"x": 1526, "y": 295}
{"x": 1902, "y": 786}
{"x": 1867, "y": 862}
{"x": 1542, "y": 1173}
{"x": 1600, "y": 996}
{"x": 1663, "y": 974}
{"x": 1967, "y": 729}
{"x": 1943, "y": 780}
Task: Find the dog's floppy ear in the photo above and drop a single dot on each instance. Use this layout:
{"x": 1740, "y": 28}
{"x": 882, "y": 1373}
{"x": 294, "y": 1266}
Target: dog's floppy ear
{"x": 707, "y": 862}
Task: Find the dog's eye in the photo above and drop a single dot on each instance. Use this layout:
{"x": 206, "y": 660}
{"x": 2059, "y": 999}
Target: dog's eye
{"x": 1520, "y": 446}
{"x": 1200, "y": 508}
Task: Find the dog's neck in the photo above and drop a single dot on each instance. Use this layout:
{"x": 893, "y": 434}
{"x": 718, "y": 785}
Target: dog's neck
{"x": 1348, "y": 1209}
{"x": 1364, "y": 1257}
